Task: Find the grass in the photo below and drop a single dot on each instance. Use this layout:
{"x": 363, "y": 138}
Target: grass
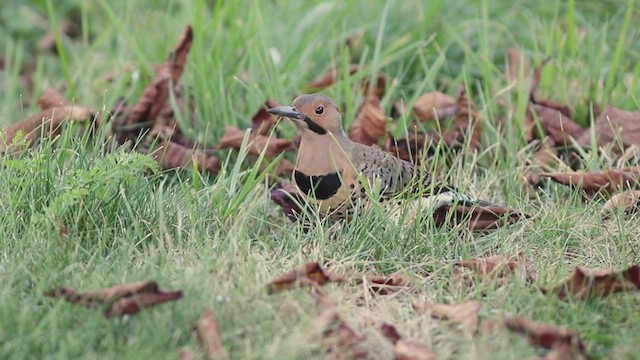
{"x": 220, "y": 239}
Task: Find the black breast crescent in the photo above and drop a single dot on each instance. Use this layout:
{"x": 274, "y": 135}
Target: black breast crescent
{"x": 319, "y": 186}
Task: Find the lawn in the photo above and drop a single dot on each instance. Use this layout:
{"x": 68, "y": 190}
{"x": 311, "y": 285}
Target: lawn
{"x": 81, "y": 212}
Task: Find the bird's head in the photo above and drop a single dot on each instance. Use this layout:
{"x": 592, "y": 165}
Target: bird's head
{"x": 313, "y": 113}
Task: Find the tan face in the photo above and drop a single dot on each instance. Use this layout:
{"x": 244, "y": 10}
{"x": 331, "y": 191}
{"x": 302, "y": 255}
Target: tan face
{"x": 321, "y": 110}
{"x": 314, "y": 114}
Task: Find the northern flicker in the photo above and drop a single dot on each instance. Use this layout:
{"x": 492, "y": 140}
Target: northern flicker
{"x": 335, "y": 172}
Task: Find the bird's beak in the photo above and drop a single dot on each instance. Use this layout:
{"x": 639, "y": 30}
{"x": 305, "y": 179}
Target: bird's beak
{"x": 286, "y": 111}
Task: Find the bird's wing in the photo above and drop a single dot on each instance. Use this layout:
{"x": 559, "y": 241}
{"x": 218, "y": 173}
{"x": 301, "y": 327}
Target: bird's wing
{"x": 393, "y": 174}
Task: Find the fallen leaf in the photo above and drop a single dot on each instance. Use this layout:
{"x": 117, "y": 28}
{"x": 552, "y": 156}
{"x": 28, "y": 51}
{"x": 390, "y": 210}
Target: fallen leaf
{"x": 543, "y": 158}
{"x": 614, "y": 125}
{"x": 68, "y": 27}
{"x": 117, "y": 300}
{"x": 332, "y": 76}
{"x": 518, "y": 68}
{"x": 500, "y": 267}
{"x": 272, "y": 147}
{"x": 52, "y": 98}
{"x": 185, "y": 355}
{"x": 629, "y": 201}
{"x": 564, "y": 352}
{"x": 284, "y": 166}
{"x": 589, "y": 284}
{"x": 435, "y": 105}
{"x": 607, "y": 181}
{"x": 46, "y": 123}
{"x": 405, "y": 349}
{"x": 544, "y": 335}
{"x": 339, "y": 340}
{"x": 385, "y": 285}
{"x": 370, "y": 123}
{"x": 154, "y": 97}
{"x": 558, "y": 126}
{"x": 262, "y": 122}
{"x": 138, "y": 301}
{"x": 465, "y": 313}
{"x": 209, "y": 337}
{"x": 289, "y": 198}
{"x": 414, "y": 148}
{"x": 477, "y": 217}
{"x": 311, "y": 274}
{"x": 173, "y": 155}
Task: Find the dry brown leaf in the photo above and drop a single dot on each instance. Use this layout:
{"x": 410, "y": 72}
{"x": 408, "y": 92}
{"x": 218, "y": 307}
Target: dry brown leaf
{"x": 272, "y": 147}
{"x": 411, "y": 148}
{"x": 262, "y": 122}
{"x": 117, "y": 300}
{"x": 435, "y": 105}
{"x": 607, "y": 181}
{"x": 339, "y": 340}
{"x": 614, "y": 125}
{"x": 133, "y": 304}
{"x": 332, "y": 76}
{"x": 518, "y": 68}
{"x": 185, "y": 355}
{"x": 545, "y": 335}
{"x": 52, "y": 98}
{"x": 543, "y": 158}
{"x": 477, "y": 217}
{"x": 209, "y": 337}
{"x": 310, "y": 274}
{"x": 68, "y": 27}
{"x": 500, "y": 267}
{"x": 629, "y": 201}
{"x": 405, "y": 349}
{"x": 46, "y": 123}
{"x": 154, "y": 97}
{"x": 564, "y": 352}
{"x": 289, "y": 198}
{"x": 588, "y": 283}
{"x": 370, "y": 123}
{"x": 173, "y": 155}
{"x": 385, "y": 285}
{"x": 558, "y": 126}
{"x": 465, "y": 313}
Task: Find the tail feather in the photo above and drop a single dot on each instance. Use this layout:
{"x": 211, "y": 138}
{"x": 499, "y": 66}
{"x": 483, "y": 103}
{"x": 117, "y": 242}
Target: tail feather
{"x": 449, "y": 195}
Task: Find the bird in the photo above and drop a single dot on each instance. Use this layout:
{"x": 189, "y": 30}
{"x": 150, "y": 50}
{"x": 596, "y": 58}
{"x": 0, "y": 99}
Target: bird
{"x": 339, "y": 175}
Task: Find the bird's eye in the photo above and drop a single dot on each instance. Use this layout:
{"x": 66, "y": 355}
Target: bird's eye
{"x": 319, "y": 110}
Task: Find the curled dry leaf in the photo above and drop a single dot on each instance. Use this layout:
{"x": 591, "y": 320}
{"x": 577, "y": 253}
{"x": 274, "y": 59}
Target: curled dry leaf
{"x": 172, "y": 155}
{"x": 133, "y": 304}
{"x": 385, "y": 285}
{"x": 500, "y": 267}
{"x": 52, "y": 98}
{"x": 518, "y": 68}
{"x": 564, "y": 352}
{"x": 339, "y": 340}
{"x": 628, "y": 201}
{"x": 558, "y": 126}
{"x": 465, "y": 314}
{"x": 543, "y": 158}
{"x": 413, "y": 147}
{"x": 46, "y": 123}
{"x": 262, "y": 122}
{"x": 614, "y": 125}
{"x": 544, "y": 335}
{"x": 405, "y": 349}
{"x": 154, "y": 97}
{"x": 117, "y": 300}
{"x": 607, "y": 181}
{"x": 332, "y": 76}
{"x": 209, "y": 337}
{"x": 272, "y": 147}
{"x": 289, "y": 198}
{"x": 588, "y": 283}
{"x": 477, "y": 218}
{"x": 310, "y": 274}
{"x": 435, "y": 105}
{"x": 370, "y": 123}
